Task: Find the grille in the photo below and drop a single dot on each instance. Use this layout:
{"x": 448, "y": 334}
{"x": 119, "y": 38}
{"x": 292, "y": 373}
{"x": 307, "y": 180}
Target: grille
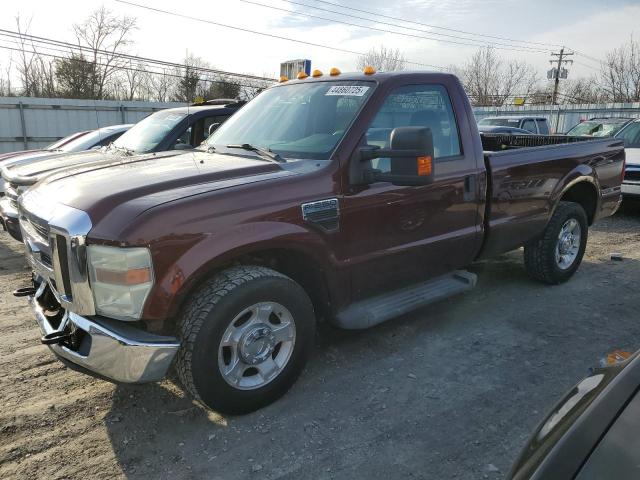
{"x": 41, "y": 230}
{"x": 633, "y": 175}
{"x": 61, "y": 250}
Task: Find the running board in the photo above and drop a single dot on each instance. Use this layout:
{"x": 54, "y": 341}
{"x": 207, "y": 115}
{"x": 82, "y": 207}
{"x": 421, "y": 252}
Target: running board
{"x": 372, "y": 311}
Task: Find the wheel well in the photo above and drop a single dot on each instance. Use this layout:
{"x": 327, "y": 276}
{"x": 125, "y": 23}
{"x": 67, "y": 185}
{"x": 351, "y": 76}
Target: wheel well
{"x": 301, "y": 268}
{"x": 584, "y": 194}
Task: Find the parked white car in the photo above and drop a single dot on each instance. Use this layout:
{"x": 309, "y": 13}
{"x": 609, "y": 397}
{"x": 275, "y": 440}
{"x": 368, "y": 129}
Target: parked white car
{"x": 631, "y": 136}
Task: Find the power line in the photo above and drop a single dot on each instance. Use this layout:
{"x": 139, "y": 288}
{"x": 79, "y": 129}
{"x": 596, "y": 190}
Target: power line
{"x": 128, "y": 68}
{"x": 430, "y": 25}
{"x": 500, "y": 46}
{"x": 85, "y": 49}
{"x": 264, "y": 34}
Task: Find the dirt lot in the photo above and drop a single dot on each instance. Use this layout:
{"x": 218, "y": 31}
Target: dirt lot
{"x": 449, "y": 392}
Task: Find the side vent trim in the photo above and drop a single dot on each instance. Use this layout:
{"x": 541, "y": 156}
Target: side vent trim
{"x": 322, "y": 213}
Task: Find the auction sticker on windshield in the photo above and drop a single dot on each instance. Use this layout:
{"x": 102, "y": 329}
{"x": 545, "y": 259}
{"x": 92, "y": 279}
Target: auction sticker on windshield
{"x": 347, "y": 90}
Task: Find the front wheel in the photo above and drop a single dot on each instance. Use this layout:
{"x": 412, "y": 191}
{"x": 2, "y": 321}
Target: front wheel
{"x": 557, "y": 254}
{"x": 245, "y": 337}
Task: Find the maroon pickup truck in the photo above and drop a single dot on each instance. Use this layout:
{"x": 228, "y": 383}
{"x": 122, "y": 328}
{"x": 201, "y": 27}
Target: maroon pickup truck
{"x": 353, "y": 198}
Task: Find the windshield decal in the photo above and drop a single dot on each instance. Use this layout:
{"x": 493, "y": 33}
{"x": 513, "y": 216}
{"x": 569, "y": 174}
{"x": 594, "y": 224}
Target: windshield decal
{"x": 347, "y": 90}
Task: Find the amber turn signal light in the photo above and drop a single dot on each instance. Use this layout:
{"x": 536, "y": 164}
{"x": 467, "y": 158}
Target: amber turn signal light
{"x": 424, "y": 165}
{"x": 301, "y": 75}
{"x": 134, "y": 276}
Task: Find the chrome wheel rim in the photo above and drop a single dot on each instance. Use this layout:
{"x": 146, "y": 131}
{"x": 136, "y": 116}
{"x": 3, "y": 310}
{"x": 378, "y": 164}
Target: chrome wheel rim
{"x": 568, "y": 244}
{"x": 257, "y": 345}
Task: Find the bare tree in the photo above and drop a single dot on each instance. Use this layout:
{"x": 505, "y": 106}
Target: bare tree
{"x": 134, "y": 78}
{"x": 26, "y": 59}
{"x": 488, "y": 80}
{"x": 161, "y": 85}
{"x": 383, "y": 59}
{"x": 106, "y": 37}
{"x": 620, "y": 74}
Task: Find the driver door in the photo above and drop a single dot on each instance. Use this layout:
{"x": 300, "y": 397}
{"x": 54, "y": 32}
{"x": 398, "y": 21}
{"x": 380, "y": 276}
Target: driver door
{"x": 398, "y": 235}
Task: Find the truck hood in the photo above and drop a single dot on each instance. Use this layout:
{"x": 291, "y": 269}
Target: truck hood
{"x": 128, "y": 187}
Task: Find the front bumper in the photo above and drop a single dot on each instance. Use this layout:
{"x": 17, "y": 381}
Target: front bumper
{"x": 108, "y": 348}
{"x": 9, "y": 218}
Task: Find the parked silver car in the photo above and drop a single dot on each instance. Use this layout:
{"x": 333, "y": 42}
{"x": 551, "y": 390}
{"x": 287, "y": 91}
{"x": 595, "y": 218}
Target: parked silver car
{"x": 76, "y": 142}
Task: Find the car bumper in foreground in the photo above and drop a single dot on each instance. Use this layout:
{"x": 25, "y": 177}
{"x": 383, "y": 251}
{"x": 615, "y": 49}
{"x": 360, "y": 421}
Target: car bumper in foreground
{"x": 9, "y": 218}
{"x": 108, "y": 348}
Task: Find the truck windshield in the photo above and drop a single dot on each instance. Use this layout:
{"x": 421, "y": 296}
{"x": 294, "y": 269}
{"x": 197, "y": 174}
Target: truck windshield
{"x": 298, "y": 120}
{"x": 147, "y": 134}
{"x": 596, "y": 129}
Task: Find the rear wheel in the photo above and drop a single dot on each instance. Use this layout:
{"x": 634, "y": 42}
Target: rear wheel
{"x": 557, "y": 254}
{"x": 245, "y": 337}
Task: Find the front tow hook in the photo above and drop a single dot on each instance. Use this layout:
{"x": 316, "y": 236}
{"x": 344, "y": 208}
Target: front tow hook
{"x": 24, "y": 292}
{"x": 54, "y": 338}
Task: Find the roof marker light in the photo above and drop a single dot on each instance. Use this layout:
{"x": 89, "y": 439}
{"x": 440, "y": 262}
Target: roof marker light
{"x": 334, "y": 71}
{"x": 301, "y": 75}
{"x": 284, "y": 78}
{"x": 368, "y": 70}
{"x": 316, "y": 73}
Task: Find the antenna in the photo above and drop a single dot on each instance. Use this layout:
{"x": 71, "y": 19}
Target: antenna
{"x": 95, "y": 109}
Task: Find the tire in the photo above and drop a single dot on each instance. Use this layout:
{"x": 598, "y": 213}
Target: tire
{"x": 540, "y": 258}
{"x": 216, "y": 309}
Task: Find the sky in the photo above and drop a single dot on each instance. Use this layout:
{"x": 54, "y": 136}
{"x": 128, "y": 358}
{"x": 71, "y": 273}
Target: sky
{"x": 588, "y": 26}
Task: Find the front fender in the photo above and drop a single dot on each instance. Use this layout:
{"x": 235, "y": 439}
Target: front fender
{"x": 210, "y": 252}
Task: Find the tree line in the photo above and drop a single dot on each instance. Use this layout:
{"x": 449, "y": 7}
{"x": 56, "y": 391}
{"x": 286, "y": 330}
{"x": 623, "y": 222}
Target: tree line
{"x": 99, "y": 66}
{"x": 490, "y": 80}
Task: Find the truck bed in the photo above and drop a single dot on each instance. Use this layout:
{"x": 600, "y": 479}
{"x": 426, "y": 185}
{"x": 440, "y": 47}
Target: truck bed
{"x": 528, "y": 174}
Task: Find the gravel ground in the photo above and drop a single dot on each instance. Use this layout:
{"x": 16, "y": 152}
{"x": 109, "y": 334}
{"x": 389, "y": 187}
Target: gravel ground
{"x": 451, "y": 391}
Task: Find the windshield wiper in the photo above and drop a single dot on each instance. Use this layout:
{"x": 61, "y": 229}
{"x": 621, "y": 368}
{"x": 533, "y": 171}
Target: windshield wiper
{"x": 263, "y": 152}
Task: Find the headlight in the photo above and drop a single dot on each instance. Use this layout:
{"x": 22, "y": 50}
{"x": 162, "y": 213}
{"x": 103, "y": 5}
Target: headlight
{"x": 121, "y": 279}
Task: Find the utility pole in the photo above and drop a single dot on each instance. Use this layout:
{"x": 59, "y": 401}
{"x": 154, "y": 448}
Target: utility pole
{"x": 560, "y": 61}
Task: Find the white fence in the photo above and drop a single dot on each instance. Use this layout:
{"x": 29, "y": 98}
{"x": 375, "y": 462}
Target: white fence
{"x": 562, "y": 117}
{"x": 27, "y": 122}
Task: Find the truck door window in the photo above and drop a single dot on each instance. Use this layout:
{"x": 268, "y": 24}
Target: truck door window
{"x": 543, "y": 127}
{"x": 412, "y": 106}
{"x": 530, "y": 126}
{"x": 184, "y": 138}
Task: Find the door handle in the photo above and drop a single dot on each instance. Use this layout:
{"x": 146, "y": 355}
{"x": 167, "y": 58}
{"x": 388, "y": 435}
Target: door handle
{"x": 469, "y": 194}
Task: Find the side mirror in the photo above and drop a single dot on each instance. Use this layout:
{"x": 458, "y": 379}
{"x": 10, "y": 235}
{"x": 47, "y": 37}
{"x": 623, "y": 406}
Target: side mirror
{"x": 411, "y": 155}
{"x": 213, "y": 127}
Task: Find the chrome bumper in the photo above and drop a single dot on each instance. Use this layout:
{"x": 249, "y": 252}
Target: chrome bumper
{"x": 120, "y": 353}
